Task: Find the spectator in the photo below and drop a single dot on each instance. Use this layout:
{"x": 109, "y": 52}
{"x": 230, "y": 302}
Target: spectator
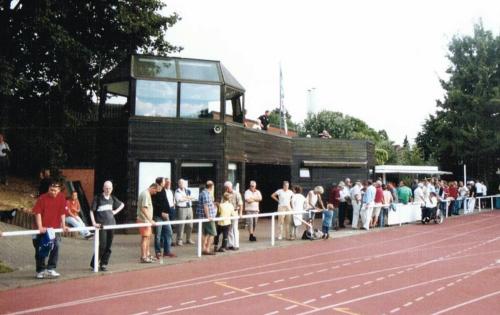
{"x": 379, "y": 201}
{"x": 252, "y": 199}
{"x": 394, "y": 192}
{"x": 314, "y": 202}
{"x": 104, "y": 208}
{"x": 462, "y": 194}
{"x": 430, "y": 207}
{"x": 299, "y": 203}
{"x": 325, "y": 135}
{"x": 264, "y": 120}
{"x": 226, "y": 210}
{"x": 453, "y": 196}
{"x": 145, "y": 215}
{"x": 283, "y": 197}
{"x": 73, "y": 215}
{"x": 45, "y": 180}
{"x": 404, "y": 193}
{"x": 388, "y": 200}
{"x": 344, "y": 196}
{"x": 368, "y": 203}
{"x": 206, "y": 210}
{"x": 49, "y": 210}
{"x": 237, "y": 202}
{"x": 183, "y": 201}
{"x": 4, "y": 160}
{"x": 327, "y": 220}
{"x": 334, "y": 199}
{"x": 163, "y": 233}
{"x": 172, "y": 213}
{"x": 356, "y": 194}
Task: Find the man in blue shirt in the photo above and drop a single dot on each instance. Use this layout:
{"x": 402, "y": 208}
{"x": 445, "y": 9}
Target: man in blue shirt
{"x": 368, "y": 202}
{"x": 206, "y": 210}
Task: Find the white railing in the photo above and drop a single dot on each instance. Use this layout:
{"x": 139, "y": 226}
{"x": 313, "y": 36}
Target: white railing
{"x": 273, "y": 215}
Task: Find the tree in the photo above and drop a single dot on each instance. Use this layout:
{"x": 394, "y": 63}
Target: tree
{"x": 275, "y": 117}
{"x": 465, "y": 128}
{"x": 53, "y": 55}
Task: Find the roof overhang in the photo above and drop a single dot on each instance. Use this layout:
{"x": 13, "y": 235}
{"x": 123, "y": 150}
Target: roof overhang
{"x": 335, "y": 164}
{"x": 408, "y": 169}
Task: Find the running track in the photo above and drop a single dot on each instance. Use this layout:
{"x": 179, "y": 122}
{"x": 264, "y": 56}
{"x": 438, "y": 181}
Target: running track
{"x": 452, "y": 268}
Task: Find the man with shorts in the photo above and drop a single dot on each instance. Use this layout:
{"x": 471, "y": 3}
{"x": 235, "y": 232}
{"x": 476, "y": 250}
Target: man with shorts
{"x": 145, "y": 215}
{"x": 283, "y": 197}
{"x": 206, "y": 210}
{"x": 252, "y": 199}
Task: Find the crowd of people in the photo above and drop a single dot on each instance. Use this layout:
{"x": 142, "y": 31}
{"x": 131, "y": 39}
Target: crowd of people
{"x": 362, "y": 204}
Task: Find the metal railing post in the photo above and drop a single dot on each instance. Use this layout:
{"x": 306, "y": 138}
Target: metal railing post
{"x": 479, "y": 204}
{"x": 199, "y": 238}
{"x": 447, "y": 205}
{"x": 491, "y": 203}
{"x": 272, "y": 229}
{"x": 96, "y": 250}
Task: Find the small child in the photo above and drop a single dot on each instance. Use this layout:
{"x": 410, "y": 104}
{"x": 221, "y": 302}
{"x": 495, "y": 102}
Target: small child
{"x": 226, "y": 210}
{"x": 327, "y": 220}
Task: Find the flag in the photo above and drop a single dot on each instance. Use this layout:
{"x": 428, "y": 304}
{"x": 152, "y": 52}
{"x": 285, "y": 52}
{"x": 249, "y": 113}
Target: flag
{"x": 282, "y": 105}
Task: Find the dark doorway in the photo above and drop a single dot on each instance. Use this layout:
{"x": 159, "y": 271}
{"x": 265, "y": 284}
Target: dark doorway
{"x": 269, "y": 178}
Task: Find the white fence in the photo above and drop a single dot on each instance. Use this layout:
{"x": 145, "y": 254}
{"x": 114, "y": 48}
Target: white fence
{"x": 195, "y": 221}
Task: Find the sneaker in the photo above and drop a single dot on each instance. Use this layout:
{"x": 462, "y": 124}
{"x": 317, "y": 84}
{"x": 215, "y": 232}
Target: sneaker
{"x": 221, "y": 250}
{"x": 103, "y": 268}
{"x": 146, "y": 260}
{"x": 179, "y": 243}
{"x": 190, "y": 242}
{"x": 158, "y": 255}
{"x": 53, "y": 273}
{"x": 171, "y": 255}
{"x": 280, "y": 238}
{"x": 40, "y": 275}
{"x": 89, "y": 236}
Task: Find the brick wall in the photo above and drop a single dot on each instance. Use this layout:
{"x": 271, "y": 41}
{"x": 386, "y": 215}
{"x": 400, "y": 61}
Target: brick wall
{"x": 85, "y": 176}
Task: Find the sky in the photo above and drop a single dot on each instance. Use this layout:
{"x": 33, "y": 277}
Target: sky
{"x": 379, "y": 61}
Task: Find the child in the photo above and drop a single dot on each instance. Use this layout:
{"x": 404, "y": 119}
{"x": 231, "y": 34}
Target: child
{"x": 327, "y": 220}
{"x": 226, "y": 210}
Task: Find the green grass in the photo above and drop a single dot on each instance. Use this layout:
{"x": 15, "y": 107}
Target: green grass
{"x": 4, "y": 268}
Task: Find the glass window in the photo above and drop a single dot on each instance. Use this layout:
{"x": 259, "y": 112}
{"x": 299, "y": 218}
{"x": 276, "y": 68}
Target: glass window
{"x": 156, "y": 68}
{"x": 199, "y": 100}
{"x": 198, "y": 70}
{"x": 156, "y": 98}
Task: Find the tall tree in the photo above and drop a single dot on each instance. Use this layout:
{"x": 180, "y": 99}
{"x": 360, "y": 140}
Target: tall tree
{"x": 466, "y": 127}
{"x": 53, "y": 54}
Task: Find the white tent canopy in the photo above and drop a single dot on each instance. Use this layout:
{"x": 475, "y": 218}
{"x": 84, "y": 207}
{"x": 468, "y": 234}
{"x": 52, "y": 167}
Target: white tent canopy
{"x": 408, "y": 169}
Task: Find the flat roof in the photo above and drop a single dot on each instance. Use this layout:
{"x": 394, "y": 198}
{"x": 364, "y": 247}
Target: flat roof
{"x": 409, "y": 169}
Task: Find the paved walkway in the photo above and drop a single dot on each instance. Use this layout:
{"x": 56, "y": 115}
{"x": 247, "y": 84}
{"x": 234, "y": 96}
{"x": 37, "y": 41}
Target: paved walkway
{"x": 75, "y": 253}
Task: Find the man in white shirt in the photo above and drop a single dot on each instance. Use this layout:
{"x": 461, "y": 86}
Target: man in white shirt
{"x": 283, "y": 197}
{"x": 355, "y": 193}
{"x": 184, "y": 212}
{"x": 172, "y": 213}
{"x": 237, "y": 202}
{"x": 252, "y": 199}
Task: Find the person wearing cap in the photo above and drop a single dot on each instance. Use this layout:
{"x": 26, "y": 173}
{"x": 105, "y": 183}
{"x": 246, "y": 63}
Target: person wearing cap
{"x": 237, "y": 202}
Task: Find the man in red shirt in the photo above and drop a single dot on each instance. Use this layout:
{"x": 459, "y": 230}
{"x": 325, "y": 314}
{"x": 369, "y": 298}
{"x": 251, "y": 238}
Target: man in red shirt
{"x": 49, "y": 210}
{"x": 453, "y": 193}
{"x": 334, "y": 199}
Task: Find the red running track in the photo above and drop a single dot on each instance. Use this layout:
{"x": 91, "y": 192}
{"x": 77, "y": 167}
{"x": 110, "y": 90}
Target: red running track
{"x": 453, "y": 268}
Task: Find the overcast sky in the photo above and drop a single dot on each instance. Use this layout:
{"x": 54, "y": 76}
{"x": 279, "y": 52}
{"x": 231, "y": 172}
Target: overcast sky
{"x": 379, "y": 61}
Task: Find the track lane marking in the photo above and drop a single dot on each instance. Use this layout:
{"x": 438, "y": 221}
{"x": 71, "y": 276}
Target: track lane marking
{"x": 454, "y": 307}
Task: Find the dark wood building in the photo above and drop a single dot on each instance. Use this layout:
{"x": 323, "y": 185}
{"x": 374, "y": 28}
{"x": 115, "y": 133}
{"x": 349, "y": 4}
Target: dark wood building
{"x": 183, "y": 118}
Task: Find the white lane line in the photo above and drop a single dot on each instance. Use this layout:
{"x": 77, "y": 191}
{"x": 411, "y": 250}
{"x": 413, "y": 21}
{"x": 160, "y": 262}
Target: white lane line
{"x": 164, "y": 308}
{"x": 419, "y": 299}
{"x": 272, "y": 313}
{"x": 400, "y": 272}
{"x": 357, "y": 261}
{"x": 228, "y": 293}
{"x": 210, "y": 297}
{"x": 408, "y": 304}
{"x": 346, "y": 264}
{"x": 391, "y": 275}
{"x": 141, "y": 313}
{"x": 458, "y": 280}
{"x": 440, "y": 289}
{"x": 309, "y": 301}
{"x": 246, "y": 289}
{"x": 340, "y": 291}
{"x": 239, "y": 273}
{"x": 291, "y": 307}
{"x": 308, "y": 274}
{"x": 381, "y": 278}
{"x": 395, "y": 310}
{"x": 335, "y": 267}
{"x": 189, "y": 302}
{"x": 322, "y": 270}
{"x": 409, "y": 269}
{"x": 294, "y": 277}
{"x": 368, "y": 282}
{"x": 263, "y": 284}
{"x": 326, "y": 295}
{"x": 355, "y": 286}
{"x": 450, "y": 284}
{"x": 279, "y": 280}
{"x": 467, "y": 303}
{"x": 429, "y": 293}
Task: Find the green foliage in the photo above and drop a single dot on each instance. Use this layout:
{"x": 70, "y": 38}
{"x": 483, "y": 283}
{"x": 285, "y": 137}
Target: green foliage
{"x": 274, "y": 119}
{"x": 381, "y": 156}
{"x": 466, "y": 127}
{"x": 54, "y": 53}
